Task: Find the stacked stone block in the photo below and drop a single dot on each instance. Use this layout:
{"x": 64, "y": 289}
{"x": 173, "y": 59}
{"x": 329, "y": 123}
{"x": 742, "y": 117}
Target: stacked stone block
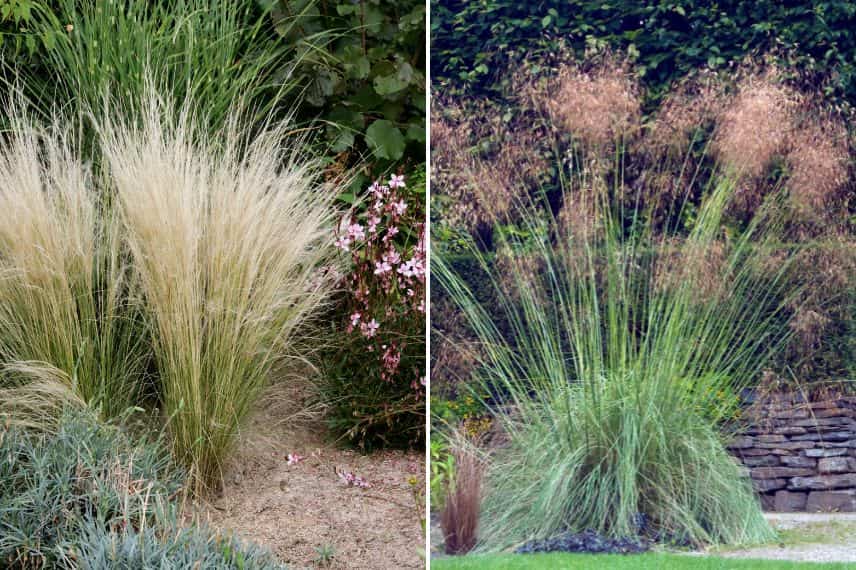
{"x": 801, "y": 456}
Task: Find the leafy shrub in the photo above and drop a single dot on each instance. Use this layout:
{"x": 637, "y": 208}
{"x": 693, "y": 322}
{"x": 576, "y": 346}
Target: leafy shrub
{"x": 54, "y": 487}
{"x": 229, "y": 240}
{"x": 365, "y": 80}
{"x": 471, "y": 50}
{"x": 374, "y": 380}
{"x": 16, "y": 37}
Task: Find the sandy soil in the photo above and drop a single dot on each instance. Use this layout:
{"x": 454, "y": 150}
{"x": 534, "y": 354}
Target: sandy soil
{"x": 297, "y": 509}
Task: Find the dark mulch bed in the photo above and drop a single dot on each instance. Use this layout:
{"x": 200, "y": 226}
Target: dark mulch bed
{"x": 586, "y": 541}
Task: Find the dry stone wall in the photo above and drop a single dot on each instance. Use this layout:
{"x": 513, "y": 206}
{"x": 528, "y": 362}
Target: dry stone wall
{"x": 801, "y": 456}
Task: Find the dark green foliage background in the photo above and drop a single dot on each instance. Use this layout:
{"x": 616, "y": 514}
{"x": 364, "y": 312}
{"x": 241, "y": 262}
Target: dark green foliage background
{"x": 364, "y": 77}
{"x": 361, "y": 72}
{"x": 472, "y": 40}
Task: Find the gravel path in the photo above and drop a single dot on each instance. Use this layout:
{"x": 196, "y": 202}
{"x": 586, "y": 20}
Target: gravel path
{"x": 792, "y": 520}
{"x": 830, "y": 537}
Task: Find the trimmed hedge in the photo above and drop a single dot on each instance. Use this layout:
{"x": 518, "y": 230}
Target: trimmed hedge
{"x": 472, "y": 41}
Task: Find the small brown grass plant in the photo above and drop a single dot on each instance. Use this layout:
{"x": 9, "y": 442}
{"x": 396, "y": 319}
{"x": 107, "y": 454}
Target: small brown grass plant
{"x": 229, "y": 235}
{"x": 67, "y": 331}
{"x": 459, "y": 518}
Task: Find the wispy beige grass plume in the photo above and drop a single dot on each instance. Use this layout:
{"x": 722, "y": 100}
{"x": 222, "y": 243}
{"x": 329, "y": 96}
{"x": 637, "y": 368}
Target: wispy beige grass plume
{"x": 754, "y": 126}
{"x": 63, "y": 312}
{"x": 229, "y": 238}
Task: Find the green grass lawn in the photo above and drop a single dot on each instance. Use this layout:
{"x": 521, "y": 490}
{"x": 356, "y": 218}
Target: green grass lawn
{"x": 622, "y": 562}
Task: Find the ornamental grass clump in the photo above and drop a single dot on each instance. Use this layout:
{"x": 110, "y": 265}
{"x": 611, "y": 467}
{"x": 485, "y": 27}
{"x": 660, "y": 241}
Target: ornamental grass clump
{"x": 617, "y": 349}
{"x": 229, "y": 237}
{"x": 612, "y": 391}
{"x": 67, "y": 330}
{"x": 222, "y": 52}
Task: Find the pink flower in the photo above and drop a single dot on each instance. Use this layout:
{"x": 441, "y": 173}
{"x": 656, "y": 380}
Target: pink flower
{"x": 392, "y": 257}
{"x": 373, "y": 223}
{"x": 400, "y": 207}
{"x": 343, "y": 242}
{"x": 382, "y": 267}
{"x": 412, "y": 268}
{"x": 379, "y": 190}
{"x": 294, "y": 458}
{"x": 355, "y": 319}
{"x": 397, "y": 181}
{"x": 356, "y": 232}
{"x": 391, "y": 359}
{"x": 369, "y": 329}
{"x": 352, "y": 480}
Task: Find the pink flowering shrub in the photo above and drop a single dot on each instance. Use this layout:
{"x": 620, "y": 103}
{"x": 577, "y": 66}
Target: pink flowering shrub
{"x": 374, "y": 381}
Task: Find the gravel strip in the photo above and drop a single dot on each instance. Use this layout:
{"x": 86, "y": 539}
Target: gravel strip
{"x": 815, "y": 552}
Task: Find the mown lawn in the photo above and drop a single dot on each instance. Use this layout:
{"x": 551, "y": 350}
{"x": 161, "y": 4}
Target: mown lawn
{"x": 622, "y": 562}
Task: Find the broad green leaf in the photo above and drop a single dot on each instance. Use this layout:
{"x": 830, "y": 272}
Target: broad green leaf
{"x": 388, "y": 85}
{"x": 385, "y": 140}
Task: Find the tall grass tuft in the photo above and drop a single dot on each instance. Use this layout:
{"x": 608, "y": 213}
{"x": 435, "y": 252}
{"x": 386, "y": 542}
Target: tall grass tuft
{"x": 625, "y": 355}
{"x": 223, "y": 52}
{"x": 67, "y": 331}
{"x": 230, "y": 237}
